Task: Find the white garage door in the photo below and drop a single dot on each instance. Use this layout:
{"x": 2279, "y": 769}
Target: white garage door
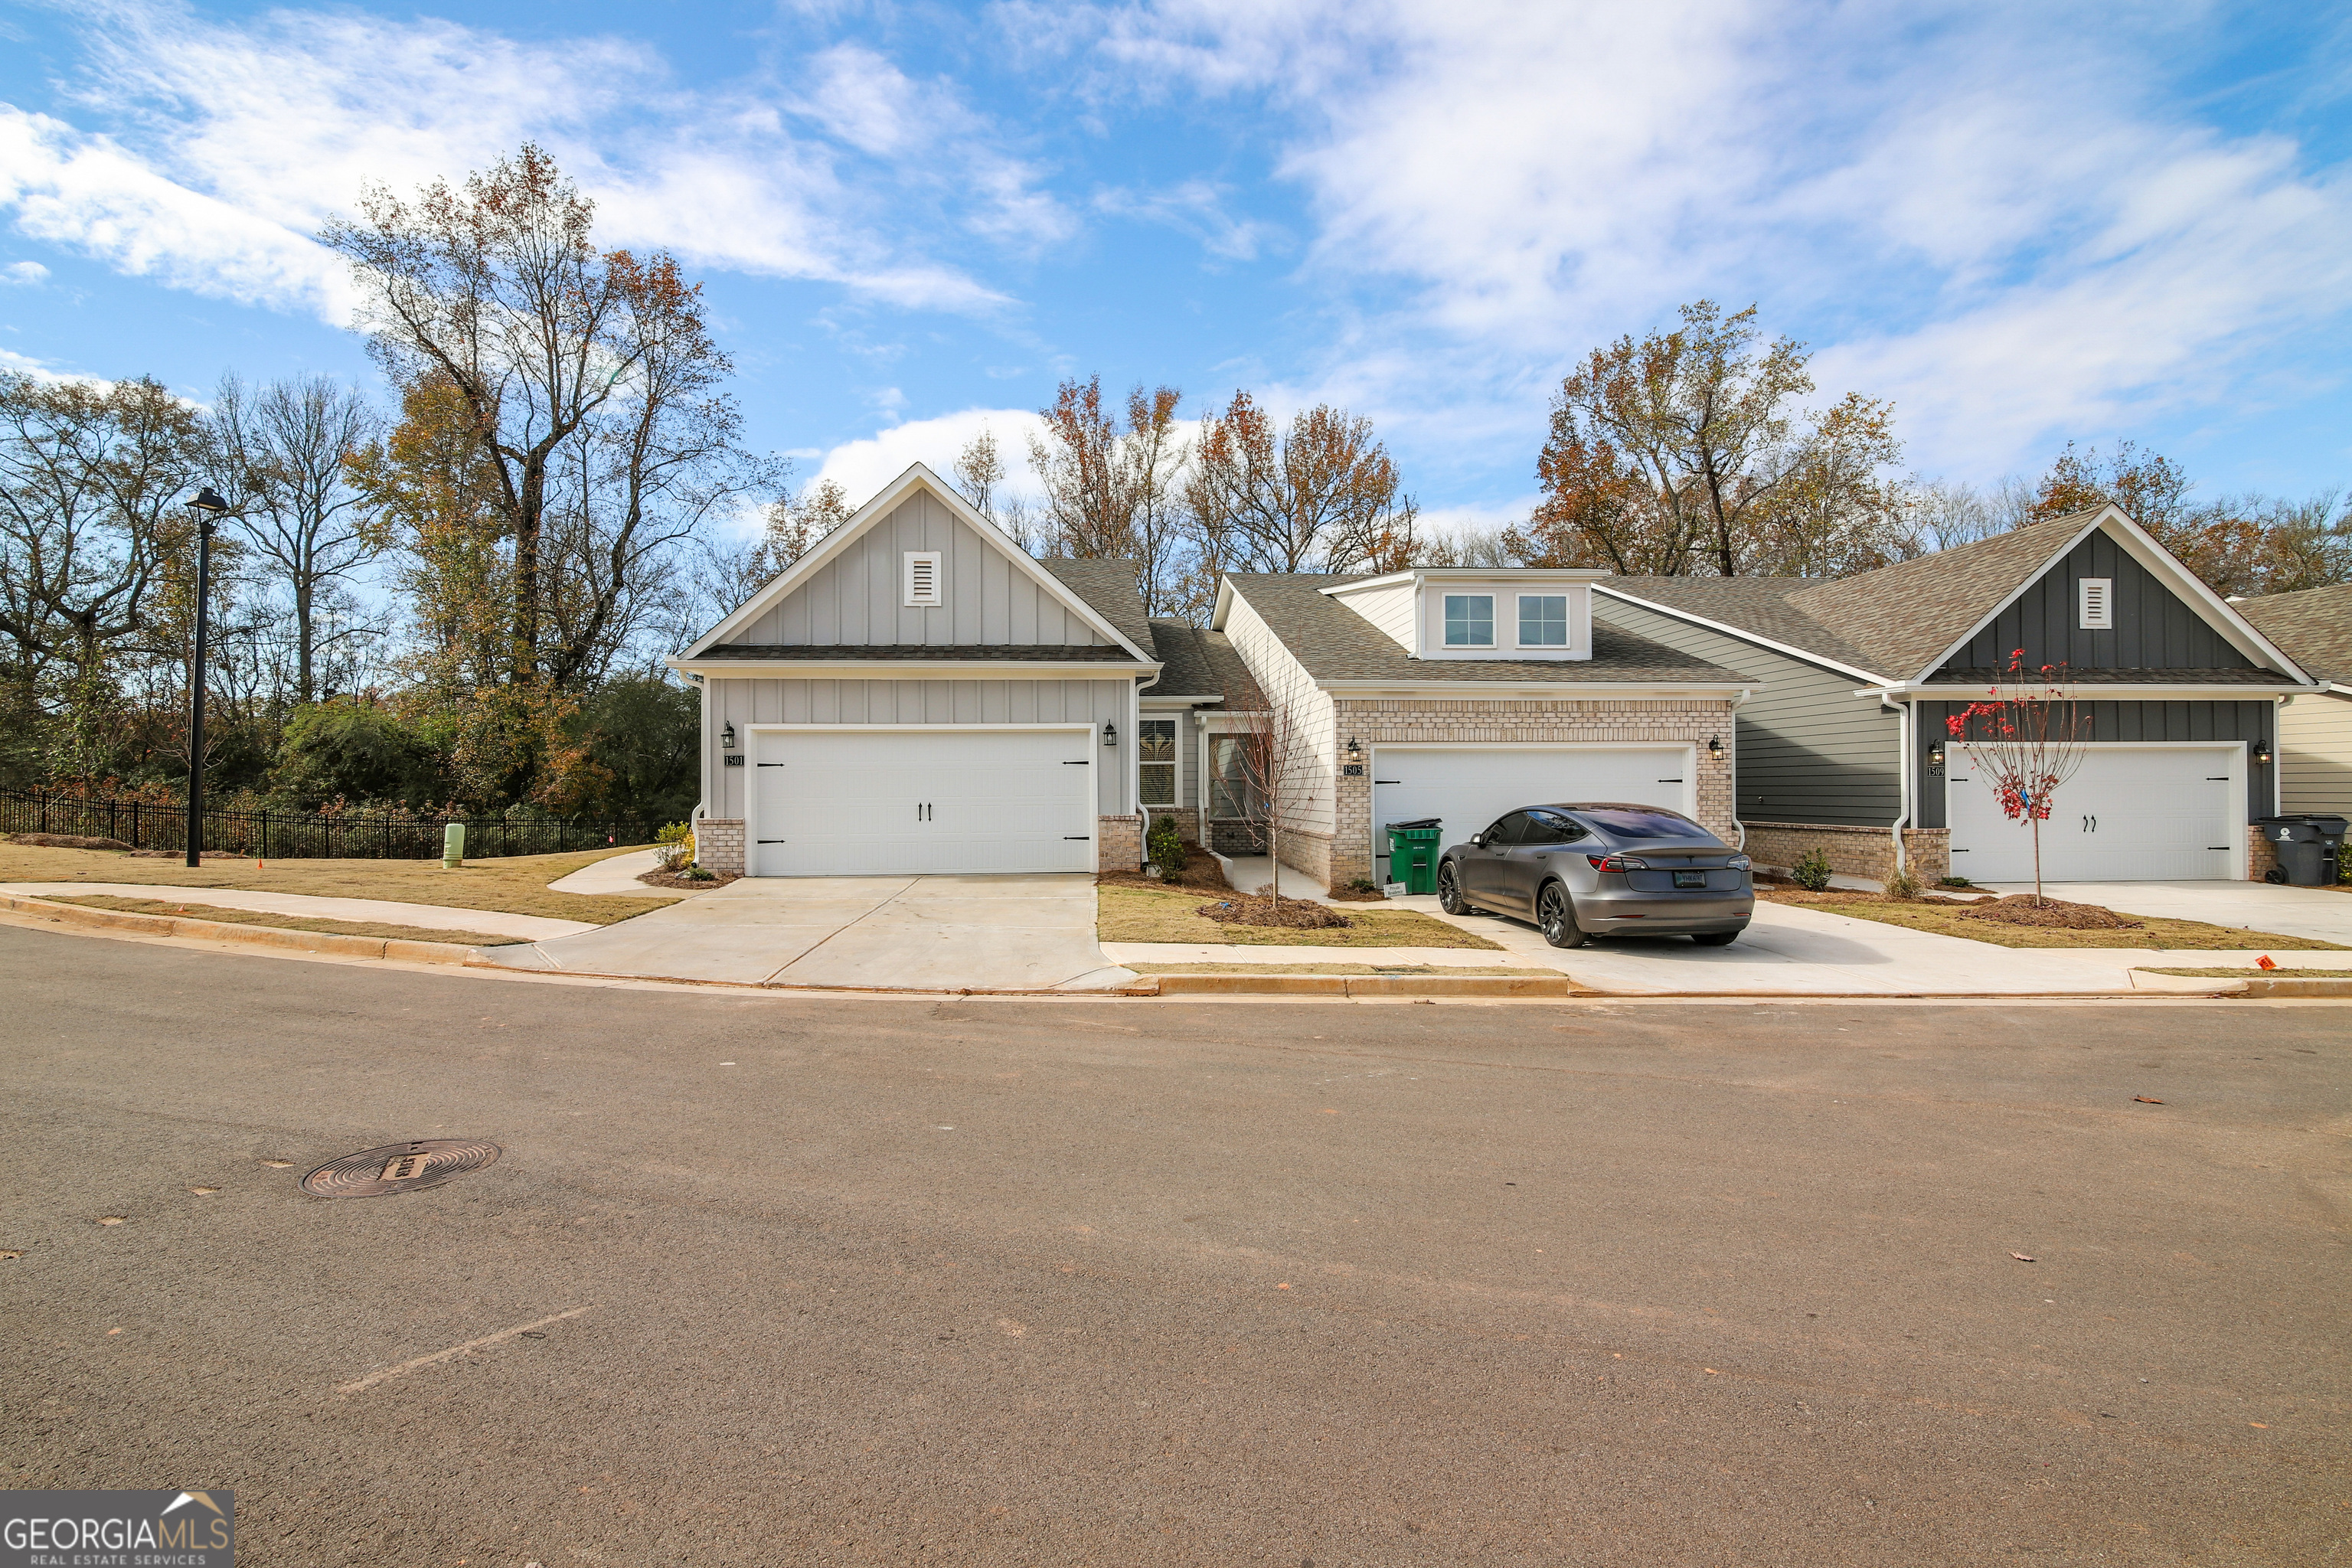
{"x": 872, "y": 803}
{"x": 1470, "y": 786}
{"x": 2133, "y": 813}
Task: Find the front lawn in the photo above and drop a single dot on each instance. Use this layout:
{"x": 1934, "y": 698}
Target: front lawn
{"x": 516, "y": 884}
{"x": 1951, "y": 919}
{"x": 1130, "y": 912}
{"x": 377, "y": 929}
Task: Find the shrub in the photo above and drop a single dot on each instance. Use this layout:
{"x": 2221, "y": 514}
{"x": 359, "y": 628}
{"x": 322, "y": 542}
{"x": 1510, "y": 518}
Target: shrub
{"x": 1956, "y": 882}
{"x": 1812, "y": 871}
{"x": 1165, "y": 848}
{"x": 1903, "y": 884}
{"x": 1363, "y": 885}
{"x": 675, "y": 846}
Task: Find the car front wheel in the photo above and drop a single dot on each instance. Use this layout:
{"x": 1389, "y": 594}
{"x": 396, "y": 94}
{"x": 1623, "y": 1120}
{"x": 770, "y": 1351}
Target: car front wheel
{"x": 1449, "y": 889}
{"x": 1556, "y": 917}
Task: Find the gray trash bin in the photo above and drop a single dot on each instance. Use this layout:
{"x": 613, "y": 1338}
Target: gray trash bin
{"x": 2308, "y": 847}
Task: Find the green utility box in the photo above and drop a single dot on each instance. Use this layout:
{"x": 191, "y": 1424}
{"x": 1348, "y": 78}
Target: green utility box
{"x": 1413, "y": 849}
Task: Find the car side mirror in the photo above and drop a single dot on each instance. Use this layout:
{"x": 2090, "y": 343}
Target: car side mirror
{"x": 1478, "y": 841}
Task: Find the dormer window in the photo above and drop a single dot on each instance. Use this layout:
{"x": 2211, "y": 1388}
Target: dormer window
{"x": 1543, "y": 620}
{"x": 1469, "y": 620}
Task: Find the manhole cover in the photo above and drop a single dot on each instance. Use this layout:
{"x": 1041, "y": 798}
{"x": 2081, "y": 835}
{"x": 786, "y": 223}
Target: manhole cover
{"x": 398, "y": 1168}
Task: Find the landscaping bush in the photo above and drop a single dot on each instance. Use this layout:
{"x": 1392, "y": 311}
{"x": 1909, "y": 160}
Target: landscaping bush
{"x": 1903, "y": 884}
{"x": 1166, "y": 849}
{"x": 1812, "y": 871}
{"x": 675, "y": 846}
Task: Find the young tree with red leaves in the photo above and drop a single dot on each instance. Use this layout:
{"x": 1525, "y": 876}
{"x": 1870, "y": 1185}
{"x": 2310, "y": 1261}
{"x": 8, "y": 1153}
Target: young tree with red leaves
{"x": 2026, "y": 740}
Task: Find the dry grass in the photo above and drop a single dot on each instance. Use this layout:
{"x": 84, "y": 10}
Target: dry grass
{"x": 515, "y": 886}
{"x": 1953, "y": 919}
{"x": 287, "y": 922}
{"x": 1130, "y": 912}
{"x": 2283, "y": 972}
{"x": 1415, "y": 970}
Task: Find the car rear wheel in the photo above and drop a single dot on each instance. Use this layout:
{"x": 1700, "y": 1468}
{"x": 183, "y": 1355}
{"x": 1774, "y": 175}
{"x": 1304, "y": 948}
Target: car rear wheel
{"x": 1716, "y": 937}
{"x": 1556, "y": 917}
{"x": 1449, "y": 890}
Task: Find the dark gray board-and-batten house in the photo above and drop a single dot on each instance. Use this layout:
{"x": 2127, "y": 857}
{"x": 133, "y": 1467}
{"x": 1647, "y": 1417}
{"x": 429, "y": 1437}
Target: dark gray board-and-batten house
{"x": 1843, "y": 746}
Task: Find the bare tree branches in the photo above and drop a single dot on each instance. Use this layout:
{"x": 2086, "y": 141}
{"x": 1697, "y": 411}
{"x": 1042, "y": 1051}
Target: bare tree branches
{"x": 1320, "y": 495}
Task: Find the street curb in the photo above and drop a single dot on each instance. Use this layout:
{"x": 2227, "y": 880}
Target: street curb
{"x": 328, "y": 943}
{"x": 2269, "y": 985}
{"x": 1366, "y": 985}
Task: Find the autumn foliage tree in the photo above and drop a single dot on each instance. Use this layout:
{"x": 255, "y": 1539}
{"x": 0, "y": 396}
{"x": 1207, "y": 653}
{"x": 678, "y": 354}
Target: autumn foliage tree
{"x": 2242, "y": 545}
{"x": 1318, "y": 494}
{"x": 2026, "y": 737}
{"x": 1107, "y": 474}
{"x": 1689, "y": 452}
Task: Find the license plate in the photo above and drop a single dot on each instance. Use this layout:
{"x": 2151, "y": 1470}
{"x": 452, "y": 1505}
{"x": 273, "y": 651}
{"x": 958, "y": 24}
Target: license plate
{"x": 1690, "y": 879}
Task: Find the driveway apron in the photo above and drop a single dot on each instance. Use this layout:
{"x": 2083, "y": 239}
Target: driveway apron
{"x": 924, "y": 933}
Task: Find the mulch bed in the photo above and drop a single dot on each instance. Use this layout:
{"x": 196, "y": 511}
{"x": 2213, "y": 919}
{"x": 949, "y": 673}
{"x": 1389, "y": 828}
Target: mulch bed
{"x": 1201, "y": 874}
{"x": 1358, "y": 896}
{"x": 2025, "y": 910}
{"x": 182, "y": 854}
{"x": 1291, "y": 915}
{"x": 1788, "y": 893}
{"x": 687, "y": 884}
{"x": 67, "y": 841}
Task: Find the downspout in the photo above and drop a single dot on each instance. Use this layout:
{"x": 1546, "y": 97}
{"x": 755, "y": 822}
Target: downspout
{"x": 1907, "y": 729}
{"x": 1740, "y": 828}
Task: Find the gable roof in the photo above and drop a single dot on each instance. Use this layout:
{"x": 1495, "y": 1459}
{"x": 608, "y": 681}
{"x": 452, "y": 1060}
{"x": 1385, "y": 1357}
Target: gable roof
{"x": 2314, "y": 625}
{"x": 1336, "y": 644}
{"x": 1898, "y": 624}
{"x": 1196, "y": 662}
{"x": 888, "y": 500}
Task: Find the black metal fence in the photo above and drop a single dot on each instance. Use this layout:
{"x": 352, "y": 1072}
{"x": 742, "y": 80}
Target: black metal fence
{"x": 308, "y": 836}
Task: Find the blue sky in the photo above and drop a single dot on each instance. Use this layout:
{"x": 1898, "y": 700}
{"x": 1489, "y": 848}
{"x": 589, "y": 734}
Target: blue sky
{"x": 2023, "y": 223}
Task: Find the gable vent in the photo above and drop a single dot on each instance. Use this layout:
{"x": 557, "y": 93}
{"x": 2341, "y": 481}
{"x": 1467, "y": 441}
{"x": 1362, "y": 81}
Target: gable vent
{"x": 2095, "y": 598}
{"x": 922, "y": 576}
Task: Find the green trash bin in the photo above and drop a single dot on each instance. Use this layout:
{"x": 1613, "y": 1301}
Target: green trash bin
{"x": 1413, "y": 849}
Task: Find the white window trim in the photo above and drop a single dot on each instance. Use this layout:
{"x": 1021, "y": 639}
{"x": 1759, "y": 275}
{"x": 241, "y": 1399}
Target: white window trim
{"x": 2102, "y": 589}
{"x": 1443, "y": 616}
{"x": 1567, "y": 622}
{"x": 1175, "y": 801}
{"x": 907, "y": 569}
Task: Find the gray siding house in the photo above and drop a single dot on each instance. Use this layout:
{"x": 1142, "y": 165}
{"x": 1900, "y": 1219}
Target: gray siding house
{"x": 1846, "y": 748}
{"x": 2315, "y": 731}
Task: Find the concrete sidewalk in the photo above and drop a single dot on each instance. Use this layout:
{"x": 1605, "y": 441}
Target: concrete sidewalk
{"x": 374, "y": 912}
{"x": 616, "y": 874}
{"x": 921, "y": 934}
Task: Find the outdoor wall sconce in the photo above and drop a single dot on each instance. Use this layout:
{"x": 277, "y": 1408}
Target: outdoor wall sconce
{"x": 1110, "y": 734}
{"x": 1715, "y": 746}
{"x": 727, "y": 738}
{"x": 1355, "y": 751}
{"x": 2262, "y": 753}
{"x": 1936, "y": 755}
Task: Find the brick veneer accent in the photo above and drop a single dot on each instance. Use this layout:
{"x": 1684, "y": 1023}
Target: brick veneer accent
{"x": 1348, "y": 853}
{"x": 1119, "y": 843}
{"x": 1188, "y": 820}
{"x": 1866, "y": 852}
{"x": 2262, "y": 855}
{"x": 719, "y": 844}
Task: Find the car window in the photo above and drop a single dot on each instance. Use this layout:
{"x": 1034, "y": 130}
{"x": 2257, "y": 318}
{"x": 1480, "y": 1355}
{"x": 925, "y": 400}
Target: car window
{"x": 1642, "y": 822}
{"x": 1509, "y": 829}
{"x": 1543, "y": 827}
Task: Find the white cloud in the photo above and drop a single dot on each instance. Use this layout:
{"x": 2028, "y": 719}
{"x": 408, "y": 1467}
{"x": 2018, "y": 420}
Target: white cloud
{"x": 24, "y": 275}
{"x": 2014, "y": 230}
{"x": 1196, "y": 207}
{"x": 863, "y": 466}
{"x": 220, "y": 189}
{"x": 41, "y": 370}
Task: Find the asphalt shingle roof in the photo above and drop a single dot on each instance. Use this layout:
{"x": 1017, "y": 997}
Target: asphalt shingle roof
{"x": 1335, "y": 643}
{"x": 2313, "y": 628}
{"x": 1111, "y": 590}
{"x": 962, "y": 653}
{"x": 1198, "y": 663}
{"x": 1758, "y": 605}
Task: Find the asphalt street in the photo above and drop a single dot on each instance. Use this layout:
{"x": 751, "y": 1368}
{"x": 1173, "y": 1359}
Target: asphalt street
{"x": 772, "y": 1280}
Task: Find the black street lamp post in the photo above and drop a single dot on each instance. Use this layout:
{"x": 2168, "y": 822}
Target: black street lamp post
{"x": 208, "y": 509}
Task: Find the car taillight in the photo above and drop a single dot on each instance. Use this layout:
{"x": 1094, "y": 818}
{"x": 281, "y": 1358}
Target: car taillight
{"x": 1618, "y": 862}
{"x": 1739, "y": 862}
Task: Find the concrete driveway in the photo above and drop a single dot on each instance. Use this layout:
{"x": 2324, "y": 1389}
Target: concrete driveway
{"x": 2319, "y": 912}
{"x": 914, "y": 933}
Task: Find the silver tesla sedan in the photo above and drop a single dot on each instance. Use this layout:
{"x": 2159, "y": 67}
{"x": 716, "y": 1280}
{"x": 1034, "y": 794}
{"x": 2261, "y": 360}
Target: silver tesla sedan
{"x": 1584, "y": 870}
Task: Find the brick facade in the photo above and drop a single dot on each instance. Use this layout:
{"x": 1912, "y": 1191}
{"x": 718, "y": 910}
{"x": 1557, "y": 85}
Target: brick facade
{"x": 2262, "y": 855}
{"x": 1119, "y": 843}
{"x": 1188, "y": 821}
{"x": 1696, "y": 720}
{"x": 1866, "y": 852}
{"x": 718, "y": 845}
